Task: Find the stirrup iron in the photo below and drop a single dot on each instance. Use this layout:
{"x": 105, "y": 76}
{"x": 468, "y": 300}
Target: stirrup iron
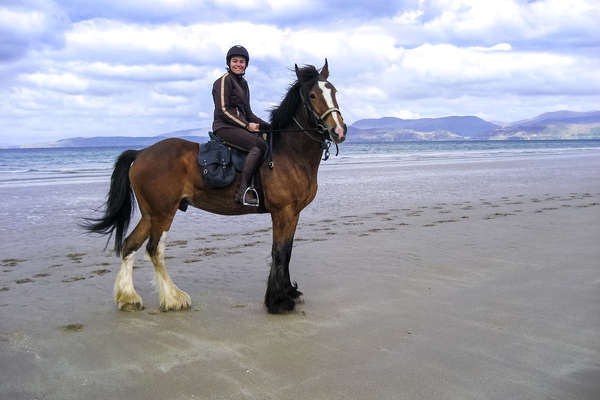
{"x": 247, "y": 203}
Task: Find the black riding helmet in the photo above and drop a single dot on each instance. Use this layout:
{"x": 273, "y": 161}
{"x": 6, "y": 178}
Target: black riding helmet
{"x": 238, "y": 50}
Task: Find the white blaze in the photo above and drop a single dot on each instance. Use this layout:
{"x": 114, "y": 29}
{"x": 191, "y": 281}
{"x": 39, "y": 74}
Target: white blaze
{"x": 327, "y": 95}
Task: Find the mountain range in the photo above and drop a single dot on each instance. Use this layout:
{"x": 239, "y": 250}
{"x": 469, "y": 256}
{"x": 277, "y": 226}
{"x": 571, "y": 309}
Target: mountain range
{"x": 548, "y": 126}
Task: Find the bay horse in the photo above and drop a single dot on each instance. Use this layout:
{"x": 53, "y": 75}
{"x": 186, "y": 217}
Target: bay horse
{"x": 163, "y": 175}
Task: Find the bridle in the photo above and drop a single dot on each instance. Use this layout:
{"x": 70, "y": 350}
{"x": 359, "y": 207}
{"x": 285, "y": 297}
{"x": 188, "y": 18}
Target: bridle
{"x": 319, "y": 134}
{"x": 323, "y": 134}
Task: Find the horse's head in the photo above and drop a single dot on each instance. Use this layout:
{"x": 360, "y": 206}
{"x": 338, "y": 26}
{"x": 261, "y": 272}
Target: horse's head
{"x": 322, "y": 102}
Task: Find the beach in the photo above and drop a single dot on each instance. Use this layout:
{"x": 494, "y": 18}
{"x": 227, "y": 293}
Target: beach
{"x": 462, "y": 279}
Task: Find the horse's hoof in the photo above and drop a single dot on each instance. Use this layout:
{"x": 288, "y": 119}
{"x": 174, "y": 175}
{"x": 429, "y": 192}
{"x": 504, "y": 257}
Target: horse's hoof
{"x": 181, "y": 301}
{"x": 283, "y": 305}
{"x": 129, "y": 301}
{"x": 131, "y": 307}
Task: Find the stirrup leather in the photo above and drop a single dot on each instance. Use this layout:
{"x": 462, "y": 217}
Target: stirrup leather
{"x": 247, "y": 203}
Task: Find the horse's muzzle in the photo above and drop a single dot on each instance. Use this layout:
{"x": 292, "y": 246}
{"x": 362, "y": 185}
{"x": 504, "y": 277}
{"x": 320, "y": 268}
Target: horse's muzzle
{"x": 338, "y": 134}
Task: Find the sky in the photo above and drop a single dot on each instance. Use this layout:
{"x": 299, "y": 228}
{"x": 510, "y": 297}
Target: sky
{"x": 82, "y": 68}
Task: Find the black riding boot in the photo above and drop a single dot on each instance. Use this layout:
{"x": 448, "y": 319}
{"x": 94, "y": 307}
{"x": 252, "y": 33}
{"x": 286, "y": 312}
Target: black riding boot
{"x": 252, "y": 161}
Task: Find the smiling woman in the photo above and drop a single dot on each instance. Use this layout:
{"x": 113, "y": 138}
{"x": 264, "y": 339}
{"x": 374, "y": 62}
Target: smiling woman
{"x": 234, "y": 121}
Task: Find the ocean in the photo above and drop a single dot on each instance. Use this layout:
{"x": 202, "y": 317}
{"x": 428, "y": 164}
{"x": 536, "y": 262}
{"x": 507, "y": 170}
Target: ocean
{"x": 47, "y": 166}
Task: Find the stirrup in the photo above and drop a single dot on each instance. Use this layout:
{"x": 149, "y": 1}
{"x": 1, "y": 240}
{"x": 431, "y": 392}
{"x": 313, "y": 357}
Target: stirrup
{"x": 247, "y": 203}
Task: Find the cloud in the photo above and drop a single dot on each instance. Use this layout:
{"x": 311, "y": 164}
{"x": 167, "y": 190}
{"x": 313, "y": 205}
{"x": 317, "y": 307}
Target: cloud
{"x": 99, "y": 68}
{"x": 30, "y": 25}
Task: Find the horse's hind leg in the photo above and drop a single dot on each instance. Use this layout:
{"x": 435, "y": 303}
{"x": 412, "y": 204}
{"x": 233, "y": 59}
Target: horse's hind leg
{"x": 171, "y": 297}
{"x": 125, "y": 294}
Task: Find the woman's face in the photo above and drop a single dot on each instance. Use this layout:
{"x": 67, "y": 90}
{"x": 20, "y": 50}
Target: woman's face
{"x": 237, "y": 65}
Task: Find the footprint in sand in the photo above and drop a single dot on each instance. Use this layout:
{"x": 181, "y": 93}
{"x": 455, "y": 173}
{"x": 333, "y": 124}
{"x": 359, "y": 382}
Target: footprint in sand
{"x": 588, "y": 205}
{"x": 73, "y": 279}
{"x": 4, "y": 289}
{"x": 11, "y": 262}
{"x": 206, "y": 251}
{"x": 101, "y": 272}
{"x": 76, "y": 257}
{"x": 21, "y": 281}
{"x": 180, "y": 243}
{"x": 496, "y": 215}
{"x": 42, "y": 275}
{"x": 327, "y": 220}
{"x": 73, "y": 327}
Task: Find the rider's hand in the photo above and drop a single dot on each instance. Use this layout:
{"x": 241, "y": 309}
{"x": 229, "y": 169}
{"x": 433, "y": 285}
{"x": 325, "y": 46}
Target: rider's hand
{"x": 253, "y": 127}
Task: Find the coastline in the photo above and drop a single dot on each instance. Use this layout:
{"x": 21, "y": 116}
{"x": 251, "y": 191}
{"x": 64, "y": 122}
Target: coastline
{"x": 459, "y": 281}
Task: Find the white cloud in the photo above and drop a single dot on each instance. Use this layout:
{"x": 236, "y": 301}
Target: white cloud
{"x": 140, "y": 71}
{"x": 65, "y": 82}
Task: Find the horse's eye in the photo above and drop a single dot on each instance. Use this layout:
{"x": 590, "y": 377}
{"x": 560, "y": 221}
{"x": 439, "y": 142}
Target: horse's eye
{"x": 313, "y": 96}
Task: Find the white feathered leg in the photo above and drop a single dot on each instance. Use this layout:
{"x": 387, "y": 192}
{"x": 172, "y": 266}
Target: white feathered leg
{"x": 125, "y": 294}
{"x": 171, "y": 297}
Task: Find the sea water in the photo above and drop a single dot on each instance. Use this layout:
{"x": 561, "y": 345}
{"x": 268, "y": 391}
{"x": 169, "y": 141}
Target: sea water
{"x": 47, "y": 166}
{"x": 46, "y": 193}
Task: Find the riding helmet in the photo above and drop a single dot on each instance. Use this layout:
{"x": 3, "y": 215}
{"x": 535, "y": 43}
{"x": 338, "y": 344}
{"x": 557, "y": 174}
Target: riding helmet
{"x": 240, "y": 51}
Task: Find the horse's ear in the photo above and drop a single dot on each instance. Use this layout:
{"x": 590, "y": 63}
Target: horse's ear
{"x": 324, "y": 72}
{"x": 297, "y": 71}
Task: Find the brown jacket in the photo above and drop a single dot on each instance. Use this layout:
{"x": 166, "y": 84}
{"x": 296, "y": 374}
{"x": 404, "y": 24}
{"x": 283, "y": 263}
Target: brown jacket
{"x": 232, "y": 103}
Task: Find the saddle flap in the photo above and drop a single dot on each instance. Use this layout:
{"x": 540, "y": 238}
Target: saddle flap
{"x": 214, "y": 152}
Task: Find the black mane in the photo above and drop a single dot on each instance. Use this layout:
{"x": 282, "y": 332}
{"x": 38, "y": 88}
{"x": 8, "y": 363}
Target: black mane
{"x": 281, "y": 116}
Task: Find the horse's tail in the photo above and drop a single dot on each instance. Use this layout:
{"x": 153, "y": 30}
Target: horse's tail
{"x": 120, "y": 203}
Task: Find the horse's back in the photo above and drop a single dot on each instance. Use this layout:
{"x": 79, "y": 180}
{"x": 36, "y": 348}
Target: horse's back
{"x": 167, "y": 168}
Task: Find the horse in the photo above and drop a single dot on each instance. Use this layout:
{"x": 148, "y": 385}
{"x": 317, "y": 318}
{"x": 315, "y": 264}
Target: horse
{"x": 166, "y": 175}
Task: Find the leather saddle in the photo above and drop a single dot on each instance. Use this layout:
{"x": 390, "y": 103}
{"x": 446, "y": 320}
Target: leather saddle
{"x": 219, "y": 161}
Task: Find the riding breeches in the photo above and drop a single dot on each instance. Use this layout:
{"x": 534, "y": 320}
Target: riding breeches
{"x": 243, "y": 139}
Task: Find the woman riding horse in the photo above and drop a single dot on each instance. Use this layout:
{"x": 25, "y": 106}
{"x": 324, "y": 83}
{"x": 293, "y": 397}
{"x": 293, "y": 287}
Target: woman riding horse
{"x": 165, "y": 174}
{"x": 234, "y": 121}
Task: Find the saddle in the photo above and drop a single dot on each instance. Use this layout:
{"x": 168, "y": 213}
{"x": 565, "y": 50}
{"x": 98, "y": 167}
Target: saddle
{"x": 220, "y": 161}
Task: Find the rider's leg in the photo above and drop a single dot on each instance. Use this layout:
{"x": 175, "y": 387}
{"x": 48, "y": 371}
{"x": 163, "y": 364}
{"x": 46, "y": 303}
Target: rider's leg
{"x": 256, "y": 148}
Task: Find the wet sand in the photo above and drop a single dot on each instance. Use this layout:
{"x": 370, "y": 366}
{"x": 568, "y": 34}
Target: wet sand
{"x": 490, "y": 291}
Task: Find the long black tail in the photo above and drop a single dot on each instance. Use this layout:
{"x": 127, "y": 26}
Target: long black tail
{"x": 120, "y": 203}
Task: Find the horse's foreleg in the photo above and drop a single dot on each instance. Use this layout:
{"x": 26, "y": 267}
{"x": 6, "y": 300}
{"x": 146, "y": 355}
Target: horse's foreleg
{"x": 171, "y": 297}
{"x": 280, "y": 292}
{"x": 125, "y": 294}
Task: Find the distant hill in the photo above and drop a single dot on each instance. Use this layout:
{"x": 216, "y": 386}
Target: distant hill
{"x": 193, "y": 135}
{"x": 563, "y": 117}
{"x": 466, "y": 126}
{"x": 553, "y": 125}
{"x": 397, "y": 129}
{"x": 547, "y": 126}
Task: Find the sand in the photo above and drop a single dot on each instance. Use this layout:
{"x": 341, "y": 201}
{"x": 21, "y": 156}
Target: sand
{"x": 454, "y": 281}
